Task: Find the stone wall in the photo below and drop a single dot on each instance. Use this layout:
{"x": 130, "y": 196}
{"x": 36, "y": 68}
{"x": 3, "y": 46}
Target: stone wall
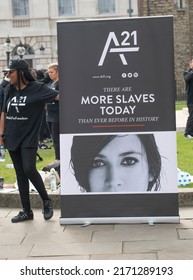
{"x": 183, "y": 33}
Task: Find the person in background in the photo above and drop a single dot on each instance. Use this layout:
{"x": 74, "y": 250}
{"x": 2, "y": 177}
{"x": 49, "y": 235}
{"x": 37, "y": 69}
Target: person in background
{"x": 3, "y": 89}
{"x": 53, "y": 117}
{"x": 188, "y": 77}
{"x": 19, "y": 129}
{"x": 44, "y": 128}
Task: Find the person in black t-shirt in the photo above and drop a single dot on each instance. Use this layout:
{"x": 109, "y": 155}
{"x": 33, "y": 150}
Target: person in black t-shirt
{"x": 53, "y": 117}
{"x": 44, "y": 128}
{"x": 19, "y": 129}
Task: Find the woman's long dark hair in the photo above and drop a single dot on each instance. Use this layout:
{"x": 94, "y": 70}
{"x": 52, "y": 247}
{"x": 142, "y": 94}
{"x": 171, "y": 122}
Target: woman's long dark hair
{"x": 25, "y": 76}
{"x": 85, "y": 148}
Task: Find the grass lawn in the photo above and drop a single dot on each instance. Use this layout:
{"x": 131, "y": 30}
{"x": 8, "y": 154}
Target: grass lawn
{"x": 9, "y": 174}
{"x": 180, "y": 104}
{"x": 184, "y": 153}
{"x": 184, "y": 158}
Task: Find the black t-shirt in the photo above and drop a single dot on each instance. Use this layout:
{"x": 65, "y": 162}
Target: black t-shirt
{"x": 3, "y": 89}
{"x": 188, "y": 77}
{"x": 24, "y": 114}
{"x": 53, "y": 108}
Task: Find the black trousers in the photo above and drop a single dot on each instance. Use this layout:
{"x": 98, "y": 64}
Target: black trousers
{"x": 44, "y": 128}
{"x": 24, "y": 161}
{"x": 56, "y": 139}
{"x": 189, "y": 123}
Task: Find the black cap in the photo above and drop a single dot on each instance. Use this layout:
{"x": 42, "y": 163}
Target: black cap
{"x": 17, "y": 64}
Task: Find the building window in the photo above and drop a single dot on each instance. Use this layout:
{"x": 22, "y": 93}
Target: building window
{"x": 181, "y": 4}
{"x": 106, "y": 6}
{"x": 66, "y": 7}
{"x": 20, "y": 8}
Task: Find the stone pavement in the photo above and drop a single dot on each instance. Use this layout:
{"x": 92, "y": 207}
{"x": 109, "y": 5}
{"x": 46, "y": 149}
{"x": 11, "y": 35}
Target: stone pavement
{"x": 44, "y": 240}
{"x": 181, "y": 118}
{"x": 39, "y": 239}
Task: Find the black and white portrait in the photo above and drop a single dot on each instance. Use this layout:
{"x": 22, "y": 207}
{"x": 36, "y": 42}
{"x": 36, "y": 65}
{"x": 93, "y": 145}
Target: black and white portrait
{"x": 124, "y": 163}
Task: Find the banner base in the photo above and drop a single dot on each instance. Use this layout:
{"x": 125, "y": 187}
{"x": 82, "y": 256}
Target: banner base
{"x": 120, "y": 220}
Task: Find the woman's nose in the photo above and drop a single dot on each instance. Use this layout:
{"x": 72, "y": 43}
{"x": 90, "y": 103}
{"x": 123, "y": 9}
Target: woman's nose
{"x": 113, "y": 178}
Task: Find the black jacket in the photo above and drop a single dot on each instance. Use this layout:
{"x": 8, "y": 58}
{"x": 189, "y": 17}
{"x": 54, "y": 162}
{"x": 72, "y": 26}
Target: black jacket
{"x": 3, "y": 89}
{"x": 188, "y": 77}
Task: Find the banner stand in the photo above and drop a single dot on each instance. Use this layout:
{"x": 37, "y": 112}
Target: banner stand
{"x": 117, "y": 121}
{"x": 119, "y": 220}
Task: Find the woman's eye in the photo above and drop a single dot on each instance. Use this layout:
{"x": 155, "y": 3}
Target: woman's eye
{"x": 98, "y": 163}
{"x": 129, "y": 161}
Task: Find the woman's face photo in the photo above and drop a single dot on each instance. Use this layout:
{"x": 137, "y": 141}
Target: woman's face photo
{"x": 121, "y": 166}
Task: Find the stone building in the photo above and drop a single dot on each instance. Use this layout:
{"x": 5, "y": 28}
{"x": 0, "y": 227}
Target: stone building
{"x": 182, "y": 11}
{"x": 32, "y": 24}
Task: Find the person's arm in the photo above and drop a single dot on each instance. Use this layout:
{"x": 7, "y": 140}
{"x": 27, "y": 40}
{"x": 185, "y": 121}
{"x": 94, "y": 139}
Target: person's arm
{"x": 57, "y": 88}
{"x": 57, "y": 97}
{"x": 2, "y": 128}
{"x": 48, "y": 94}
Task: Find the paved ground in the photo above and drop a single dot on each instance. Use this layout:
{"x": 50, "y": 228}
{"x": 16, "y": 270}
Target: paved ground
{"x": 181, "y": 118}
{"x": 39, "y": 239}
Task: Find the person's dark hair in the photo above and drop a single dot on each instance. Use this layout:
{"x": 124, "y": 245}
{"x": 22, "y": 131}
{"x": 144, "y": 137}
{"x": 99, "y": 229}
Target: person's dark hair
{"x": 47, "y": 79}
{"x": 25, "y": 78}
{"x": 40, "y": 75}
{"x": 153, "y": 158}
{"x": 85, "y": 148}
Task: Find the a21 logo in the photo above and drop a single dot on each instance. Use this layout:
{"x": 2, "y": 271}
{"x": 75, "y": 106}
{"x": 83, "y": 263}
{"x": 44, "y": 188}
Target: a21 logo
{"x": 127, "y": 44}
